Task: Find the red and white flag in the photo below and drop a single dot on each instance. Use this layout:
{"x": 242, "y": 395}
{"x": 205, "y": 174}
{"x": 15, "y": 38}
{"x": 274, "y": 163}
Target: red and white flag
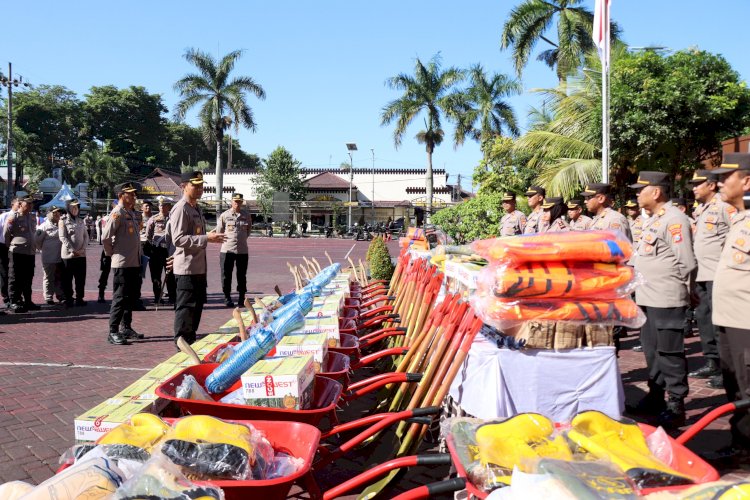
{"x": 601, "y": 30}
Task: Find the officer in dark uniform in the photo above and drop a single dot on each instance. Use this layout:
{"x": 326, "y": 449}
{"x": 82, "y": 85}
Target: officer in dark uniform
{"x": 187, "y": 232}
{"x": 665, "y": 258}
{"x": 156, "y": 237}
{"x": 235, "y": 225}
{"x": 122, "y": 243}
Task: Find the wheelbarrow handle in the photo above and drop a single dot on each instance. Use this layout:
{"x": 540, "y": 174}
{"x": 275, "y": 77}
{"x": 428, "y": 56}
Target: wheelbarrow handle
{"x": 432, "y": 489}
{"x": 370, "y": 358}
{"x": 702, "y": 423}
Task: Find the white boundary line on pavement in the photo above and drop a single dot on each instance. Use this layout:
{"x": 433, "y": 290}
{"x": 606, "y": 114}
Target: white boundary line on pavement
{"x": 350, "y": 251}
{"x": 71, "y": 365}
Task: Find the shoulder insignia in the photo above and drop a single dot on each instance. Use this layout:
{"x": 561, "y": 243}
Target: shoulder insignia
{"x": 661, "y": 212}
{"x": 615, "y": 225}
{"x": 676, "y": 231}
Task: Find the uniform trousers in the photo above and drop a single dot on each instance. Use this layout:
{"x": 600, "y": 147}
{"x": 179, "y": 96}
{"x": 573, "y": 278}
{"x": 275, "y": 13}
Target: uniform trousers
{"x": 734, "y": 348}
{"x": 52, "y": 282}
{"x": 156, "y": 264}
{"x": 191, "y": 296}
{"x": 74, "y": 268}
{"x": 664, "y": 346}
{"x": 20, "y": 275}
{"x": 125, "y": 285}
{"x": 105, "y": 265}
{"x": 706, "y": 329}
{"x": 4, "y": 272}
{"x": 227, "y": 261}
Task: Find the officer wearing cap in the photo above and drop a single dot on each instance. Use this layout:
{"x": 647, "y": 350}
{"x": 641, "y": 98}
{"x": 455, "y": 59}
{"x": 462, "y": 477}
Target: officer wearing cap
{"x": 535, "y": 197}
{"x": 553, "y": 212}
{"x": 712, "y": 221}
{"x": 156, "y": 237}
{"x": 578, "y": 221}
{"x": 74, "y": 236}
{"x": 122, "y": 243}
{"x": 635, "y": 219}
{"x": 514, "y": 221}
{"x": 235, "y": 225}
{"x": 187, "y": 231}
{"x": 47, "y": 241}
{"x": 598, "y": 199}
{"x": 731, "y": 292}
{"x": 19, "y": 236}
{"x": 665, "y": 258}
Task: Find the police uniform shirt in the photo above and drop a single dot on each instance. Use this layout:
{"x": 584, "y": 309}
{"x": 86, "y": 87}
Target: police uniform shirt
{"x": 187, "y": 230}
{"x": 713, "y": 220}
{"x": 557, "y": 226}
{"x": 156, "y": 230}
{"x": 121, "y": 238}
{"x": 732, "y": 279}
{"x": 613, "y": 220}
{"x": 73, "y": 235}
{"x": 582, "y": 223}
{"x": 19, "y": 235}
{"x": 636, "y": 228}
{"x": 47, "y": 240}
{"x": 513, "y": 223}
{"x": 236, "y": 227}
{"x": 532, "y": 221}
{"x": 665, "y": 259}
{"x": 141, "y": 226}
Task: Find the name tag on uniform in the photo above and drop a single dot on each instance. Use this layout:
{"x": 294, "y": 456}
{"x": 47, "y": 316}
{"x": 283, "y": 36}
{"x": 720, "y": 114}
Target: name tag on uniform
{"x": 230, "y": 228}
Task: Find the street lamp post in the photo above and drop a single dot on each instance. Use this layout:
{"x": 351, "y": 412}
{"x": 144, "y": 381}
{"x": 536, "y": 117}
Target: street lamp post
{"x": 9, "y": 82}
{"x": 372, "y": 206}
{"x": 350, "y": 146}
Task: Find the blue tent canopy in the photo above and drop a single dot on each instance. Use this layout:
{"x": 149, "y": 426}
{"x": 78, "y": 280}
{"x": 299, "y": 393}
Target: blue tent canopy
{"x": 65, "y": 194}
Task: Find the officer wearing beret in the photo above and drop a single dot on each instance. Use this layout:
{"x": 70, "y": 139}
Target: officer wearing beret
{"x": 731, "y": 292}
{"x": 122, "y": 243}
{"x": 535, "y": 197}
{"x": 74, "y": 236}
{"x": 187, "y": 231}
{"x": 552, "y": 220}
{"x": 635, "y": 219}
{"x": 598, "y": 199}
{"x": 235, "y": 225}
{"x": 665, "y": 258}
{"x": 712, "y": 222}
{"x": 578, "y": 221}
{"x": 514, "y": 221}
{"x": 20, "y": 229}
{"x": 156, "y": 238}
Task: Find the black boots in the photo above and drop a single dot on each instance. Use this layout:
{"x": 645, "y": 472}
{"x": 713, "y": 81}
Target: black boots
{"x": 100, "y": 300}
{"x": 117, "y": 339}
{"x": 651, "y": 404}
{"x": 674, "y": 416}
{"x": 710, "y": 369}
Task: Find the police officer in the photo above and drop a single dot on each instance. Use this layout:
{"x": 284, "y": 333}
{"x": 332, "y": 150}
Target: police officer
{"x": 156, "y": 236}
{"x": 14, "y": 204}
{"x": 665, "y": 258}
{"x": 553, "y": 212}
{"x": 47, "y": 241}
{"x": 235, "y": 225}
{"x": 578, "y": 221}
{"x": 598, "y": 199}
{"x": 19, "y": 236}
{"x": 535, "y": 197}
{"x": 122, "y": 243}
{"x": 712, "y": 222}
{"x": 74, "y": 236}
{"x": 731, "y": 292}
{"x": 187, "y": 232}
{"x": 514, "y": 221}
{"x": 635, "y": 219}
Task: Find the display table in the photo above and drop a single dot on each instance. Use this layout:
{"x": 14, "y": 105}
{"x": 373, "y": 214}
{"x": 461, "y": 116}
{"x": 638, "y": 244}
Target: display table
{"x": 497, "y": 383}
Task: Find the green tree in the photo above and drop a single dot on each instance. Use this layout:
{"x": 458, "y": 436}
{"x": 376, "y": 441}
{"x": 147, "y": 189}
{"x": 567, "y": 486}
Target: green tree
{"x": 482, "y": 112}
{"x": 129, "y": 122}
{"x": 473, "y": 219}
{"x": 502, "y": 168}
{"x": 429, "y": 90}
{"x": 222, "y": 99}
{"x": 528, "y": 23}
{"x": 279, "y": 172}
{"x": 101, "y": 170}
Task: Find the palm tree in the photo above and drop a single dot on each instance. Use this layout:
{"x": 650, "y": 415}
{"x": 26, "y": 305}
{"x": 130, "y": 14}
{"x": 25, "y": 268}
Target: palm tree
{"x": 482, "y": 112}
{"x": 430, "y": 89}
{"x": 530, "y": 20}
{"x": 101, "y": 170}
{"x": 212, "y": 88}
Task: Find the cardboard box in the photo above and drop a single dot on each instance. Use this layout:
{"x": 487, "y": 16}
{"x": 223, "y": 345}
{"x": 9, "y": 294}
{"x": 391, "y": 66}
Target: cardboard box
{"x": 322, "y": 324}
{"x": 163, "y": 371}
{"x": 280, "y": 383}
{"x": 315, "y": 344}
{"x": 106, "y": 416}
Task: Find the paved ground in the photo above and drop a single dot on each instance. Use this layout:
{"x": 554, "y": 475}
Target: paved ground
{"x": 56, "y": 363}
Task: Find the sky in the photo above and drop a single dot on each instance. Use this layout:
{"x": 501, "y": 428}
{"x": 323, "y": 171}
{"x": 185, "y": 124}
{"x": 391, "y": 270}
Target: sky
{"x": 323, "y": 64}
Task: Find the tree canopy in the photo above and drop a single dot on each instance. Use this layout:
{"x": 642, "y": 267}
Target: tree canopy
{"x": 279, "y": 172}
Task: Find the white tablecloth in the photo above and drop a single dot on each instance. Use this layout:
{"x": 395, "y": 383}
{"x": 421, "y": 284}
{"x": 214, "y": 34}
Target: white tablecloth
{"x": 494, "y": 383}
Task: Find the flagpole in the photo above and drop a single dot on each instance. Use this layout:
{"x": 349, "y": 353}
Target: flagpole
{"x": 605, "y": 93}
